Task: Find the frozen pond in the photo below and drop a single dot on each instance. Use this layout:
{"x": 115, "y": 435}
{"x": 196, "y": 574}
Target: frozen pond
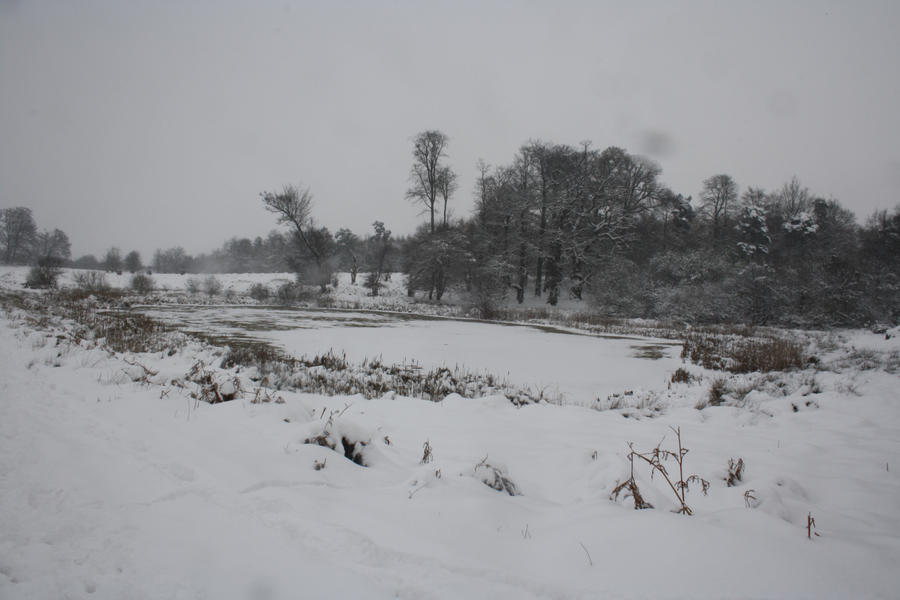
{"x": 582, "y": 367}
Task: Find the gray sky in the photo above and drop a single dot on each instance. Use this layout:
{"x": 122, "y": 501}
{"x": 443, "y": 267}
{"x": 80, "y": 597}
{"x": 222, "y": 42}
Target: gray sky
{"x": 153, "y": 124}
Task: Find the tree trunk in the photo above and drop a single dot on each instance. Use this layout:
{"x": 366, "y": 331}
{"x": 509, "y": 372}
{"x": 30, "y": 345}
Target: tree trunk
{"x": 523, "y": 273}
{"x": 577, "y": 278}
{"x": 440, "y": 284}
{"x": 539, "y": 269}
{"x": 554, "y": 273}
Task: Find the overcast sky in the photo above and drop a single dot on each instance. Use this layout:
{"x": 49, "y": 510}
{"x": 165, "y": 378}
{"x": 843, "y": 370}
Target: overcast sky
{"x": 153, "y": 124}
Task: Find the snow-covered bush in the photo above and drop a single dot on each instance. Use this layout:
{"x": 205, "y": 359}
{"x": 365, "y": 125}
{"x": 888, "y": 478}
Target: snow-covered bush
{"x": 495, "y": 477}
{"x": 716, "y": 392}
{"x": 142, "y": 284}
{"x": 291, "y": 292}
{"x": 215, "y": 386}
{"x": 44, "y": 274}
{"x": 681, "y": 375}
{"x": 212, "y": 286}
{"x": 331, "y": 374}
{"x": 120, "y": 331}
{"x": 344, "y": 437}
{"x": 259, "y": 292}
{"x": 631, "y": 403}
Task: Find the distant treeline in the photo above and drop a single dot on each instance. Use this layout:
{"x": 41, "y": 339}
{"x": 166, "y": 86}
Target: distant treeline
{"x": 573, "y": 222}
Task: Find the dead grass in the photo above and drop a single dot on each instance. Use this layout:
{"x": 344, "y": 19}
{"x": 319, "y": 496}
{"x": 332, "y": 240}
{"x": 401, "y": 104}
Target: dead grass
{"x": 495, "y": 477}
{"x": 717, "y": 392}
{"x": 867, "y": 360}
{"x": 427, "y": 455}
{"x": 333, "y": 374}
{"x": 735, "y": 472}
{"x": 656, "y": 459}
{"x": 91, "y": 281}
{"x": 103, "y": 319}
{"x": 742, "y": 354}
{"x": 632, "y": 404}
{"x": 681, "y": 375}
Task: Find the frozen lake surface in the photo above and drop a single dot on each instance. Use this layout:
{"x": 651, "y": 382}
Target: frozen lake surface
{"x": 581, "y": 367}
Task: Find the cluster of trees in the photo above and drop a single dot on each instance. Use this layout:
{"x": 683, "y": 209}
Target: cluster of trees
{"x": 554, "y": 217}
{"x": 22, "y": 243}
{"x": 237, "y": 255}
{"x": 112, "y": 261}
{"x": 314, "y": 253}
{"x": 564, "y": 221}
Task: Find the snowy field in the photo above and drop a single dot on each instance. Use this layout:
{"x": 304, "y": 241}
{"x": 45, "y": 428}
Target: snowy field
{"x": 14, "y": 277}
{"x": 171, "y": 287}
{"x": 116, "y": 483}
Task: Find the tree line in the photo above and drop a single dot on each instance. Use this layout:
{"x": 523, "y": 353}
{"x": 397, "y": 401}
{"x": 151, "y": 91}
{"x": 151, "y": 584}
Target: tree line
{"x": 574, "y": 222}
{"x": 562, "y": 221}
{"x": 565, "y": 222}
{"x": 22, "y": 243}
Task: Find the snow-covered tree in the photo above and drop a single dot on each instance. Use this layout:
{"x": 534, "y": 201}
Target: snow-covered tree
{"x": 754, "y": 239}
{"x": 718, "y": 195}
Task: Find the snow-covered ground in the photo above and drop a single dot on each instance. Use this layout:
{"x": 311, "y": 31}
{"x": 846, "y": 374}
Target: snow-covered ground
{"x": 116, "y": 483}
{"x": 171, "y": 287}
{"x": 581, "y": 368}
{"x": 240, "y": 283}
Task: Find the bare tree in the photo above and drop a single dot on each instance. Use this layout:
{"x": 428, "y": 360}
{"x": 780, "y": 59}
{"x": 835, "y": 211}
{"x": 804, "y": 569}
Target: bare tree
{"x": 53, "y": 245}
{"x": 425, "y": 174}
{"x": 379, "y": 245}
{"x": 293, "y": 206}
{"x": 483, "y": 189}
{"x": 17, "y": 232}
{"x": 447, "y": 186}
{"x": 348, "y": 245}
{"x": 754, "y": 196}
{"x": 171, "y": 260}
{"x": 719, "y": 192}
{"x": 793, "y": 198}
{"x": 540, "y": 153}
